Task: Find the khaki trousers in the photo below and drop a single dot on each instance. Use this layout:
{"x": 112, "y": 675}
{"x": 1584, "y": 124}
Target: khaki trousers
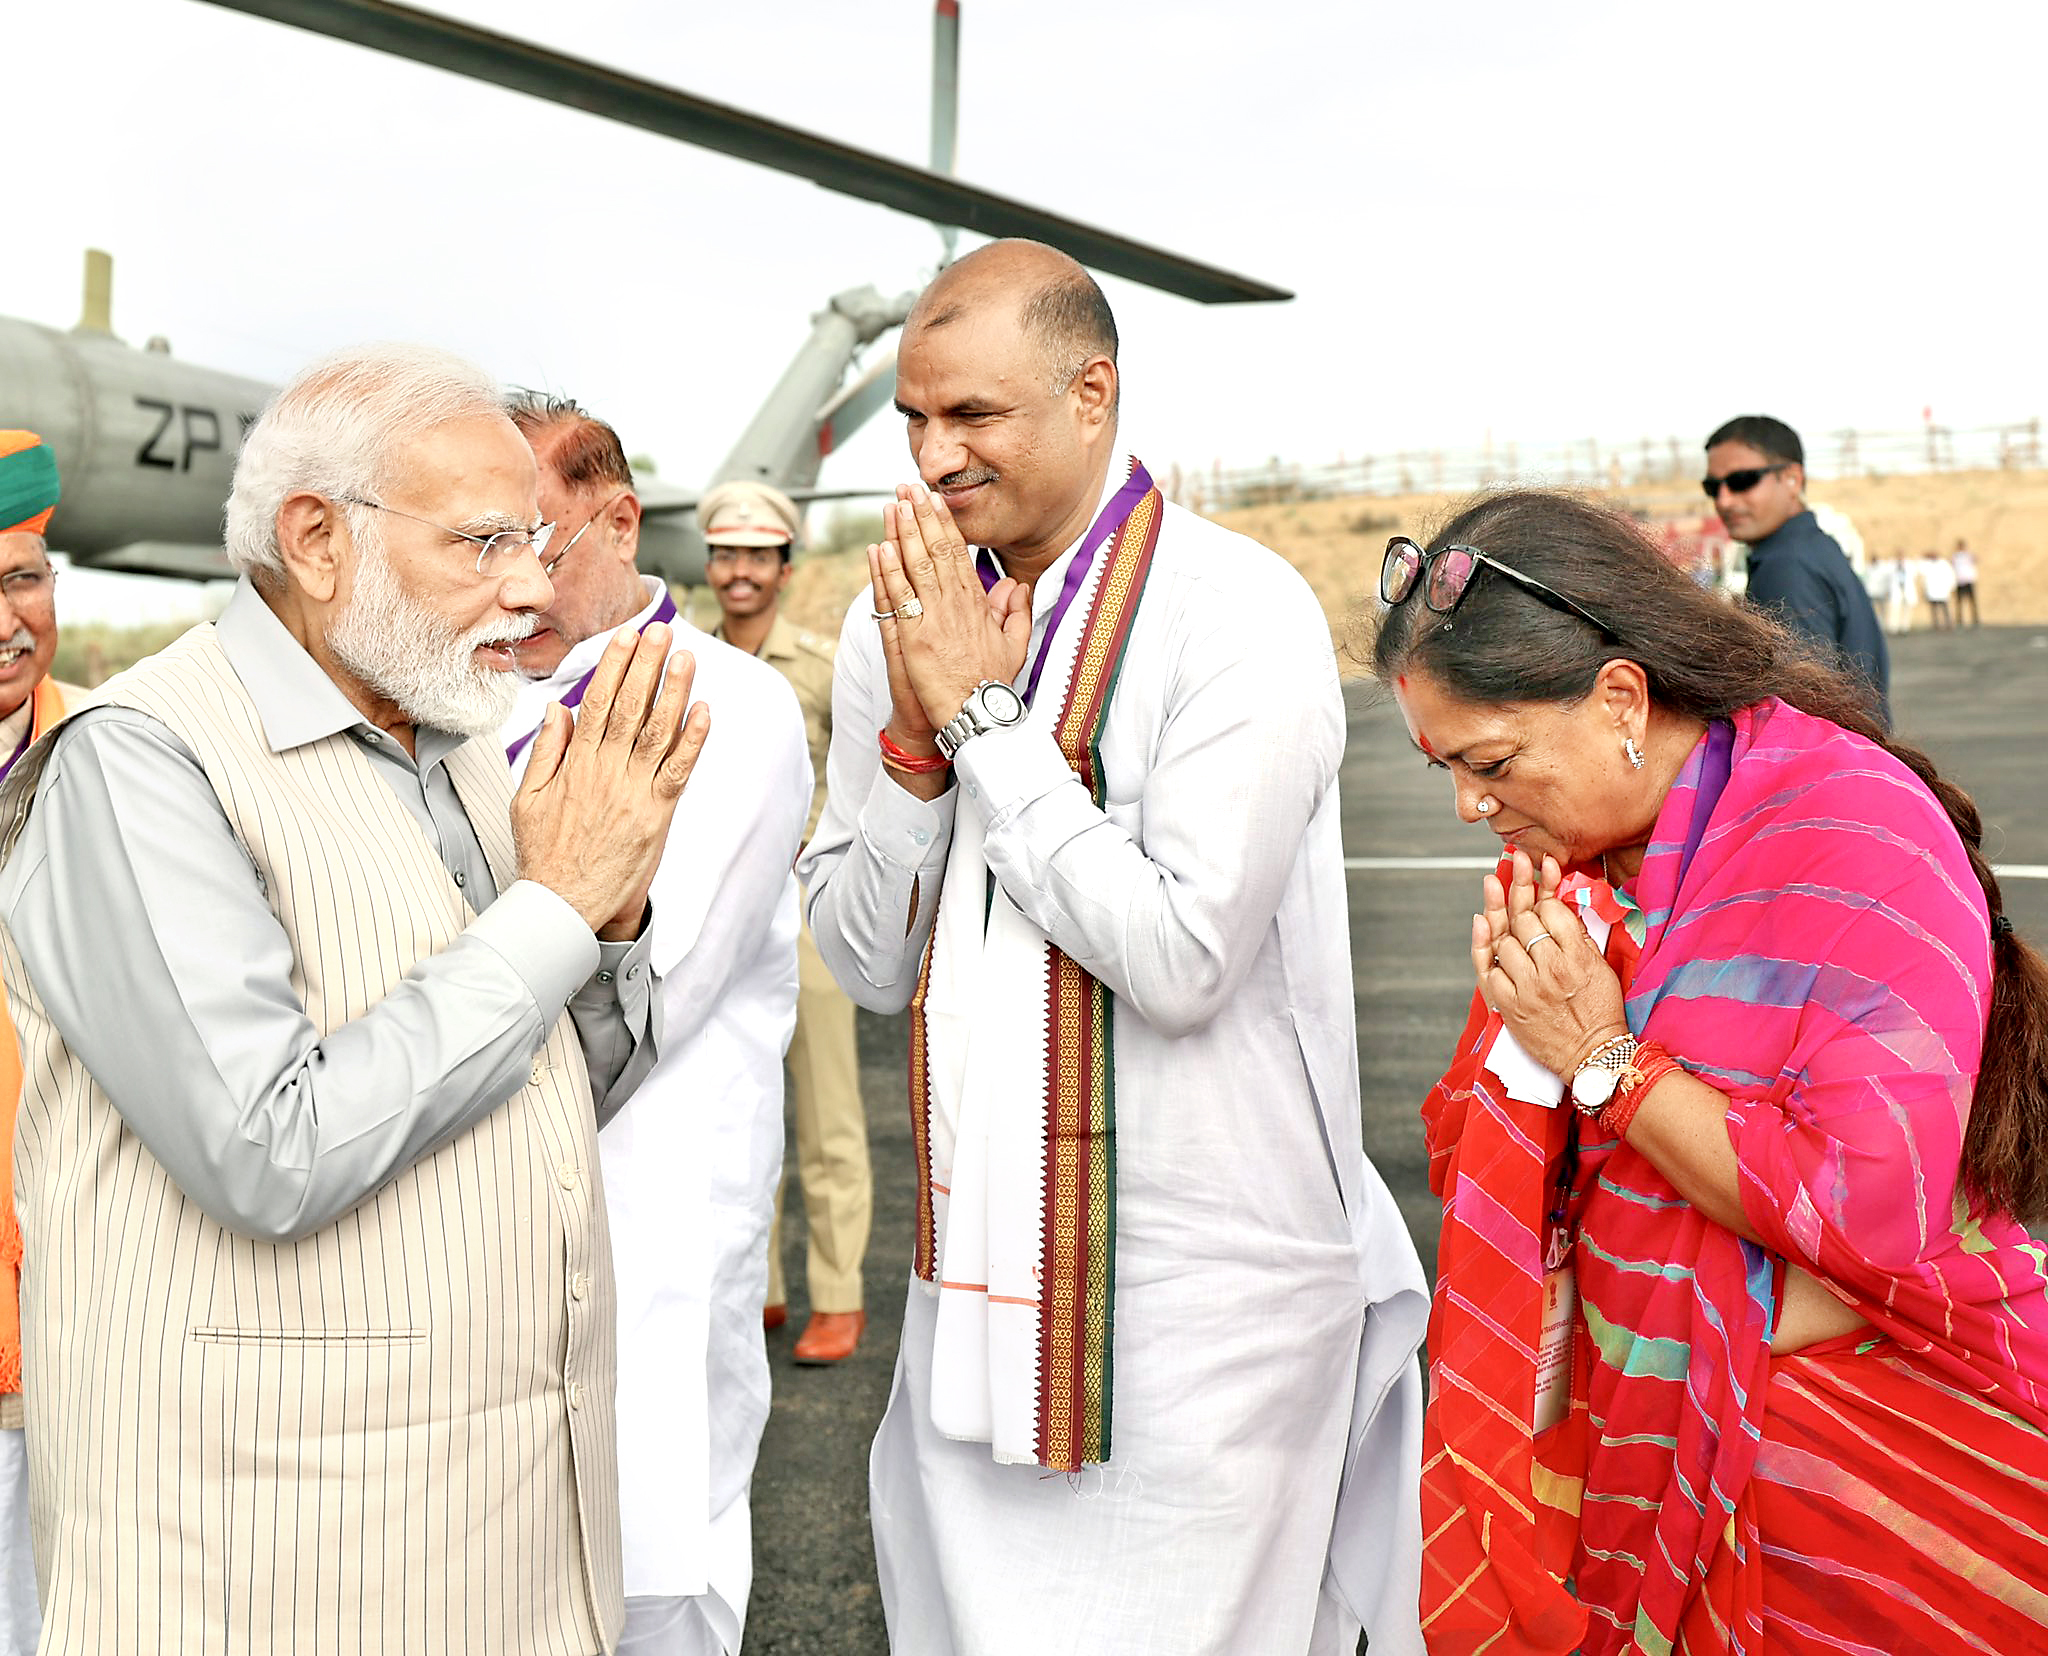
{"x": 831, "y": 1141}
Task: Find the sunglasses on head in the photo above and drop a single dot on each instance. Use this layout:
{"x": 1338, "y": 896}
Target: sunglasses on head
{"x": 1444, "y": 575}
{"x": 1740, "y": 482}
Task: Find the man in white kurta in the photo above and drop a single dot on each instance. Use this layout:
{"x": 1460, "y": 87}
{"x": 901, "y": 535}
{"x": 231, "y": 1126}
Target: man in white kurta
{"x": 1260, "y": 1495}
{"x": 691, "y": 1164}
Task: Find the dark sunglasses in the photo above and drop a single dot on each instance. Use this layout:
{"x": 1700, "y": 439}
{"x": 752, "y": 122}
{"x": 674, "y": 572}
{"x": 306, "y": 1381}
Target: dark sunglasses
{"x": 1739, "y": 481}
{"x": 1445, "y": 575}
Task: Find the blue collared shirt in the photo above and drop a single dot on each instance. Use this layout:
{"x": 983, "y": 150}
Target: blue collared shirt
{"x": 1801, "y": 574}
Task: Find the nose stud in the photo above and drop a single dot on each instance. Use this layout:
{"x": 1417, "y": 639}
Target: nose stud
{"x": 1486, "y": 807}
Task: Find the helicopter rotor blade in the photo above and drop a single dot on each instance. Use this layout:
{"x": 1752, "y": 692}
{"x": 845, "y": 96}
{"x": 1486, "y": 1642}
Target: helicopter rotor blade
{"x": 945, "y": 103}
{"x": 518, "y": 65}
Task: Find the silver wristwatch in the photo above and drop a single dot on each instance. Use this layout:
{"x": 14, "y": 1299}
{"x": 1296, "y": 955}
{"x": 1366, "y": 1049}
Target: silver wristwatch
{"x": 989, "y": 706}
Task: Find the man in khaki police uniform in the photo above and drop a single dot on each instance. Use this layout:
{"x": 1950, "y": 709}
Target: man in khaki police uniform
{"x": 749, "y": 531}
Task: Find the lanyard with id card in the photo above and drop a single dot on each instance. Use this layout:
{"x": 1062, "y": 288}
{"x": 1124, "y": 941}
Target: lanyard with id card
{"x": 1554, "y": 1345}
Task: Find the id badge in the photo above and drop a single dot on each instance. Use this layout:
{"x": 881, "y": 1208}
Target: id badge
{"x": 1554, "y": 1348}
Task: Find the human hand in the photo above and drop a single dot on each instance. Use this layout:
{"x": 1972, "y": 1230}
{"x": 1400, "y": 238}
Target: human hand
{"x": 591, "y": 817}
{"x": 909, "y": 729}
{"x": 1540, "y": 969}
{"x": 957, "y": 635}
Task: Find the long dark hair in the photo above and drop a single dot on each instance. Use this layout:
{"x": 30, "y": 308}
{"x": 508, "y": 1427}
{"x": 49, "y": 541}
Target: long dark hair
{"x": 1706, "y": 658}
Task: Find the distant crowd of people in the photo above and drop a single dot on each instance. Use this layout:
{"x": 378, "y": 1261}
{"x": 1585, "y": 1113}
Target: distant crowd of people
{"x": 1897, "y": 585}
{"x": 401, "y": 972}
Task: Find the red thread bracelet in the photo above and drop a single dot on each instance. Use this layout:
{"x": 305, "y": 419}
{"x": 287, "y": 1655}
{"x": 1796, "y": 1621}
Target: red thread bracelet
{"x": 1652, "y": 1064}
{"x": 896, "y": 759}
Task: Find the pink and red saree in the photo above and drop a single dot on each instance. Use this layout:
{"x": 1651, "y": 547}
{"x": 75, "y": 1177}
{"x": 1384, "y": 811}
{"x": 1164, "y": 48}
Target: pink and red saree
{"x": 1812, "y": 942}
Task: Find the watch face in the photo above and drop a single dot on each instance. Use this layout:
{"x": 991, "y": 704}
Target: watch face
{"x": 1002, "y": 704}
{"x": 1593, "y": 1087}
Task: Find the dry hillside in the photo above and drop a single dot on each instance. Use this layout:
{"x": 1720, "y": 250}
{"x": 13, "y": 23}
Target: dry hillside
{"x": 1336, "y": 544}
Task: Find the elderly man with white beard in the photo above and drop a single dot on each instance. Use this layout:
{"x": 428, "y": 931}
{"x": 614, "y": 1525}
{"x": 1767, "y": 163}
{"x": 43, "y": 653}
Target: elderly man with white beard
{"x": 317, "y": 1020}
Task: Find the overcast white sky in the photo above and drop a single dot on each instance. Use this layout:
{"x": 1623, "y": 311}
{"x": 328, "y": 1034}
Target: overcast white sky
{"x": 1539, "y": 220}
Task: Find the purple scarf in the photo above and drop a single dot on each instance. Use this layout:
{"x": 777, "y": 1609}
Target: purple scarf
{"x": 1106, "y": 524}
{"x": 663, "y": 611}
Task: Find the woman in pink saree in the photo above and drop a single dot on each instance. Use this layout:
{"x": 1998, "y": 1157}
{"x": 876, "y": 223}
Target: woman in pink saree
{"x": 1739, "y": 1343}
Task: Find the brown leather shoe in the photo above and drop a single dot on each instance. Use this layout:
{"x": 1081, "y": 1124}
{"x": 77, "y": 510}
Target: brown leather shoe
{"x": 773, "y": 1317}
{"x": 829, "y": 1337}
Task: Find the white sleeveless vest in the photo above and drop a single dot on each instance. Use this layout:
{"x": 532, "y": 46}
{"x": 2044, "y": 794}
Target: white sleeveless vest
{"x": 392, "y": 1437}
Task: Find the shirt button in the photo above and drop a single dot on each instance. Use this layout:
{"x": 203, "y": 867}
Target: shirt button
{"x": 579, "y": 1285}
{"x": 575, "y": 1394}
{"x": 973, "y": 791}
{"x": 604, "y": 977}
{"x": 920, "y": 836}
{"x": 540, "y": 1068}
{"x": 461, "y": 878}
{"x": 566, "y": 1175}
{"x": 633, "y": 974}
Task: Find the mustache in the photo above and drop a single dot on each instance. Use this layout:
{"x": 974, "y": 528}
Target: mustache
{"x": 966, "y": 479}
{"x": 503, "y": 632}
{"x": 23, "y": 639}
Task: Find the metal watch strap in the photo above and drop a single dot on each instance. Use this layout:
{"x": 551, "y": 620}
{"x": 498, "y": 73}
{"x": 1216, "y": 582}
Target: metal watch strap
{"x": 955, "y": 732}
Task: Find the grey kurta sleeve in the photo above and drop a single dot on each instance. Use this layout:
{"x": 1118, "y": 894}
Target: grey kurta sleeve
{"x": 143, "y": 924}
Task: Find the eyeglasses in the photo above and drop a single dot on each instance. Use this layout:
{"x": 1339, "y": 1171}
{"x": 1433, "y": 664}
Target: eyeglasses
{"x": 549, "y": 566}
{"x": 1444, "y": 575}
{"x": 745, "y": 557}
{"x": 506, "y": 544}
{"x": 28, "y": 588}
{"x": 1741, "y": 482}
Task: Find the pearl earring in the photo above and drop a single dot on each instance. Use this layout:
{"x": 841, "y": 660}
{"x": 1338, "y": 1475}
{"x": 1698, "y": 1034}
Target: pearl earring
{"x": 1635, "y": 758}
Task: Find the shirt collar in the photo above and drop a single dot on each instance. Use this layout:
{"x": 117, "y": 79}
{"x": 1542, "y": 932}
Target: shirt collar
{"x": 1792, "y": 529}
{"x": 1045, "y": 590}
{"x": 296, "y": 700}
{"x": 582, "y": 657}
{"x": 780, "y": 644}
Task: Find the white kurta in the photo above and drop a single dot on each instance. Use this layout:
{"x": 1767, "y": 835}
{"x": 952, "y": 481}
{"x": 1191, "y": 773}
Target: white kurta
{"x": 1268, "y": 1300}
{"x": 692, "y": 1161}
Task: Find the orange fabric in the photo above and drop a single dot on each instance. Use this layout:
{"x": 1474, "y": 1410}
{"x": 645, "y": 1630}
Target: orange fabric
{"x": 49, "y": 708}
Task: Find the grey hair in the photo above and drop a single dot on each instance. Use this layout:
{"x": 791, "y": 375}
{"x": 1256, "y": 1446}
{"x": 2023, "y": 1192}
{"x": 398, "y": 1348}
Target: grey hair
{"x": 338, "y": 429}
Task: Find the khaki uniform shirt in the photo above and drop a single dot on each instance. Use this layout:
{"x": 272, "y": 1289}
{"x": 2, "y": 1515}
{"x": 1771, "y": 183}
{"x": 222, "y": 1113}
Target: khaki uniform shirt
{"x": 805, "y": 659}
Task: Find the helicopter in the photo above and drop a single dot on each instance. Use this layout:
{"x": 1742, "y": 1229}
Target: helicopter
{"x": 148, "y": 441}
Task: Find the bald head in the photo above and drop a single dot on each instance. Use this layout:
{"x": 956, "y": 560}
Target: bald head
{"x": 1055, "y": 302}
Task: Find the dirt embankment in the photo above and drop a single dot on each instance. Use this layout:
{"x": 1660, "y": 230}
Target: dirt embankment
{"x": 1337, "y": 544}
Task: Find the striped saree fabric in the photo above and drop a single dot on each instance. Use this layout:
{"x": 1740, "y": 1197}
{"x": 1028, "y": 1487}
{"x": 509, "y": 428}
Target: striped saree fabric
{"x": 1820, "y": 954}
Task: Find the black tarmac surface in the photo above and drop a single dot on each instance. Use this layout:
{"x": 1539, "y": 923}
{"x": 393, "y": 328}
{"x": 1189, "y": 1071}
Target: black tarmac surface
{"x": 1976, "y": 700}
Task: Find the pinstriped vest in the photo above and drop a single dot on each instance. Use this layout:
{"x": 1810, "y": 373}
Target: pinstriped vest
{"x": 395, "y": 1436}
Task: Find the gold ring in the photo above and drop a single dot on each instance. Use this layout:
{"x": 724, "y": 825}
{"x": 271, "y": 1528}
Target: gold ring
{"x": 909, "y": 609}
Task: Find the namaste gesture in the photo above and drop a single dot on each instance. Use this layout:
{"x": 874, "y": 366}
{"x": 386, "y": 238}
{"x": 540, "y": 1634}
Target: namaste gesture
{"x": 1540, "y": 969}
{"x": 942, "y": 635}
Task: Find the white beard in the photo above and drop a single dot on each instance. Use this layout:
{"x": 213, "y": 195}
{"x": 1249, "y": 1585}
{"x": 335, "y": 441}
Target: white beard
{"x": 400, "y": 649}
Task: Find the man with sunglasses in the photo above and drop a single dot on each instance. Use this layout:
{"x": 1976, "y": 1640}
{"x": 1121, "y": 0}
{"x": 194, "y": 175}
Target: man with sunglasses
{"x": 750, "y": 532}
{"x": 317, "y": 1018}
{"x": 1756, "y": 478}
{"x": 691, "y": 1162}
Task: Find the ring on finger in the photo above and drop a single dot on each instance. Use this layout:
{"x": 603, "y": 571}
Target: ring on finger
{"x": 883, "y": 615}
{"x": 909, "y": 609}
{"x": 1541, "y": 937}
